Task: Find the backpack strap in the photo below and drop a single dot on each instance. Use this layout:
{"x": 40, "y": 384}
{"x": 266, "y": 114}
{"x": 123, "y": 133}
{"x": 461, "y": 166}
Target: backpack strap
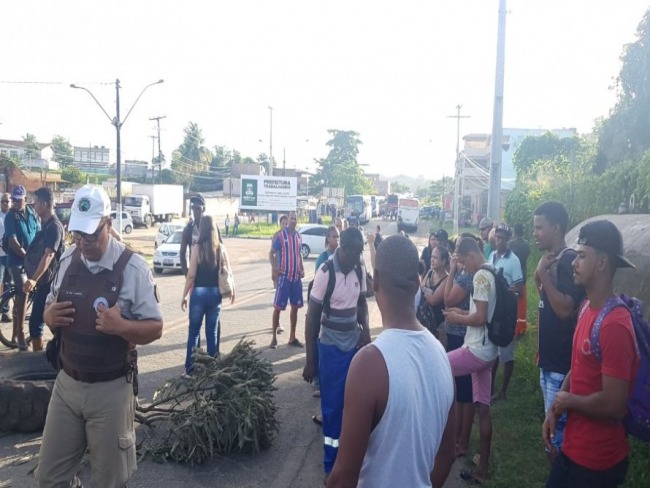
{"x": 594, "y": 336}
{"x": 331, "y": 283}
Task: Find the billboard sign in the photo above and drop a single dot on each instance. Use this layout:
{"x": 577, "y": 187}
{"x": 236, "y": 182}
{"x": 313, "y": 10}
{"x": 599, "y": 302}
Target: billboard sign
{"x": 268, "y": 193}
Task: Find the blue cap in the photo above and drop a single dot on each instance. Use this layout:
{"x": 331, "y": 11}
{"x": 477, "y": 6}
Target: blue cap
{"x": 19, "y": 193}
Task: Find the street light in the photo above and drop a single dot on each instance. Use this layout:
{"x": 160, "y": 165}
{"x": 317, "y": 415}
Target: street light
{"x": 117, "y": 123}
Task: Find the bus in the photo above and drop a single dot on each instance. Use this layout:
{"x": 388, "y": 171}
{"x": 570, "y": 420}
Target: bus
{"x": 359, "y": 207}
{"x": 408, "y": 214}
{"x": 391, "y": 206}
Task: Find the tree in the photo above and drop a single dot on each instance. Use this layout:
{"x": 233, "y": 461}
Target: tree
{"x": 340, "y": 168}
{"x": 73, "y": 175}
{"x": 191, "y": 157}
{"x": 625, "y": 134}
{"x": 32, "y": 148}
{"x": 63, "y": 152}
{"x": 397, "y": 187}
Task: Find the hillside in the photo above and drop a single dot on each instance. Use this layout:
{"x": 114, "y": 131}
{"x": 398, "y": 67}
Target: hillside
{"x": 412, "y": 182}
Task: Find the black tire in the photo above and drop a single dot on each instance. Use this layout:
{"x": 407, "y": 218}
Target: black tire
{"x": 7, "y": 328}
{"x": 304, "y": 250}
{"x": 158, "y": 270}
{"x": 26, "y": 382}
{"x": 128, "y": 229}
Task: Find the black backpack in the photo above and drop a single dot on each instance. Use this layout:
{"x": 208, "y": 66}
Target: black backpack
{"x": 331, "y": 283}
{"x": 501, "y": 329}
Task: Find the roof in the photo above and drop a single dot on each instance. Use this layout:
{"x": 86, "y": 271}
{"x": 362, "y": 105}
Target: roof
{"x": 45, "y": 177}
{"x": 21, "y": 144}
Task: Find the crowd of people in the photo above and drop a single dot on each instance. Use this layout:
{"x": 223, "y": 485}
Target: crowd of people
{"x": 385, "y": 421}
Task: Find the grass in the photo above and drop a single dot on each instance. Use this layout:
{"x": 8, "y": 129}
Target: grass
{"x": 518, "y": 457}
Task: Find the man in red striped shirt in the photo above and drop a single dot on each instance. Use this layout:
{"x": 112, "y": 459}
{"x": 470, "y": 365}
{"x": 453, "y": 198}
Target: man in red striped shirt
{"x": 287, "y": 265}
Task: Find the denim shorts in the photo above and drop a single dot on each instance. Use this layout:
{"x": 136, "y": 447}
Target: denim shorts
{"x": 551, "y": 383}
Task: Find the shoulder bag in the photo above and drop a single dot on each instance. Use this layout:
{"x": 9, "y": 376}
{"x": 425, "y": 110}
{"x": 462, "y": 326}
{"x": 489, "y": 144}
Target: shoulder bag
{"x": 226, "y": 281}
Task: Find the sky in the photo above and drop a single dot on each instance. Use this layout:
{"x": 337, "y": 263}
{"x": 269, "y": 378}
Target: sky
{"x": 393, "y": 71}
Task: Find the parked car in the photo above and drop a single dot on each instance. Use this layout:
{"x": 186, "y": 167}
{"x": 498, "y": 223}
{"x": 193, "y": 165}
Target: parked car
{"x": 164, "y": 231}
{"x": 168, "y": 255}
{"x": 313, "y": 239}
{"x": 127, "y": 222}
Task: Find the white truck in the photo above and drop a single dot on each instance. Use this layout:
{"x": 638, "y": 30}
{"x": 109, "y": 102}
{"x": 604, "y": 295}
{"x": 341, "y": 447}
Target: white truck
{"x": 154, "y": 203}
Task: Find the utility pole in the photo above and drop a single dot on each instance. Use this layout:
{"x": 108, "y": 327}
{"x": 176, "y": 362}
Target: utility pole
{"x": 457, "y": 172}
{"x": 157, "y": 119}
{"x": 153, "y": 158}
{"x": 271, "y": 142}
{"x": 496, "y": 151}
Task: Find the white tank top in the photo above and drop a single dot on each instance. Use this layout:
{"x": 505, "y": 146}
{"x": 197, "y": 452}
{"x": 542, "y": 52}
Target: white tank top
{"x": 402, "y": 447}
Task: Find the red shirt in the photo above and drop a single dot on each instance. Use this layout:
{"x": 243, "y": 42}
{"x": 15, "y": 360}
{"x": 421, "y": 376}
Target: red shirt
{"x": 594, "y": 444}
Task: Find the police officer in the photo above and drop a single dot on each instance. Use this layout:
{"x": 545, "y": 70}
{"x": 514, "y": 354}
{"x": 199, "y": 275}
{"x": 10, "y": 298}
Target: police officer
{"x": 102, "y": 303}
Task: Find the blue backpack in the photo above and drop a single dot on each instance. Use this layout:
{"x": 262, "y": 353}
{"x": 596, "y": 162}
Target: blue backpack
{"x": 637, "y": 420}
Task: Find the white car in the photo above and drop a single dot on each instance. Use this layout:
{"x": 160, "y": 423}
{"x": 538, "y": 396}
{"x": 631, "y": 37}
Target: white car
{"x": 164, "y": 231}
{"x": 127, "y": 222}
{"x": 168, "y": 256}
{"x": 313, "y": 239}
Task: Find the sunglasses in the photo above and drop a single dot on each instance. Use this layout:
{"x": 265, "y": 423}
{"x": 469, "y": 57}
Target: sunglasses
{"x": 88, "y": 237}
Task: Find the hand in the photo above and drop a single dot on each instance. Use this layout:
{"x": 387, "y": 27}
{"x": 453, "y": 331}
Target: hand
{"x": 548, "y": 430}
{"x": 562, "y": 403}
{"x": 364, "y": 339}
{"x": 29, "y": 285}
{"x": 184, "y": 304}
{"x": 59, "y": 314}
{"x": 109, "y": 320}
{"x": 308, "y": 372}
{"x": 453, "y": 262}
{"x": 545, "y": 263}
{"x": 302, "y": 273}
{"x": 453, "y": 309}
{"x": 232, "y": 297}
{"x": 275, "y": 273}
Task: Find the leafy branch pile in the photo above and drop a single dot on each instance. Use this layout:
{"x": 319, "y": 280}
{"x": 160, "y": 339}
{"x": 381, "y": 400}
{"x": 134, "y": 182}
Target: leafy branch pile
{"x": 226, "y": 405}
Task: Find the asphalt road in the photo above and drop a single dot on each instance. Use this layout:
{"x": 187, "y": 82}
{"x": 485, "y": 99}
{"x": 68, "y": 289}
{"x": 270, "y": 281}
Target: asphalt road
{"x": 295, "y": 459}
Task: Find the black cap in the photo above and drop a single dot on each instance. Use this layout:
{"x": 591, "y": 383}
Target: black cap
{"x": 198, "y": 198}
{"x": 503, "y": 228}
{"x": 442, "y": 235}
{"x": 604, "y": 236}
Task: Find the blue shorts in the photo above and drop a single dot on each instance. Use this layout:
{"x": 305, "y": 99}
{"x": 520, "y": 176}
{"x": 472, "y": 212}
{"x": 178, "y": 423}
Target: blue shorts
{"x": 288, "y": 292}
{"x": 551, "y": 383}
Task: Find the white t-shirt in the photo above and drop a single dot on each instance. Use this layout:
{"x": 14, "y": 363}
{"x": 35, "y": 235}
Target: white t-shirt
{"x": 476, "y": 339}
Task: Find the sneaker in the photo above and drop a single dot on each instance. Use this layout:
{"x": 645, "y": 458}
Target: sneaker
{"x": 274, "y": 343}
{"x": 5, "y": 318}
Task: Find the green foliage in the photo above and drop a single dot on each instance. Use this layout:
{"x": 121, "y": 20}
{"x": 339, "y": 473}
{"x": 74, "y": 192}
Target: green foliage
{"x": 625, "y": 134}
{"x": 397, "y": 187}
{"x": 225, "y": 406}
{"x": 63, "y": 152}
{"x": 340, "y": 168}
{"x": 32, "y": 149}
{"x": 73, "y": 175}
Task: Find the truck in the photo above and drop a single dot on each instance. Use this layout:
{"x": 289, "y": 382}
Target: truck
{"x": 408, "y": 214}
{"x": 154, "y": 203}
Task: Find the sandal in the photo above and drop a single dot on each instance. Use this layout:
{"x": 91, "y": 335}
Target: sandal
{"x": 296, "y": 343}
{"x": 468, "y": 477}
{"x": 317, "y": 419}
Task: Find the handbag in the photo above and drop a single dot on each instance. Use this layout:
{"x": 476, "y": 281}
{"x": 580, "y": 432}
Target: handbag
{"x": 226, "y": 281}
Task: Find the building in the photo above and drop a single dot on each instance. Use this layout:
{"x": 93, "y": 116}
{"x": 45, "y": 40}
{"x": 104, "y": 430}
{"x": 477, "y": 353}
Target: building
{"x": 382, "y": 187}
{"x": 136, "y": 169}
{"x": 92, "y": 159}
{"x": 474, "y": 165}
{"x": 41, "y": 158}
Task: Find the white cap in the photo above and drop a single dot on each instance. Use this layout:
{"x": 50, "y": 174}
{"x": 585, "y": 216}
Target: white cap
{"x": 91, "y": 203}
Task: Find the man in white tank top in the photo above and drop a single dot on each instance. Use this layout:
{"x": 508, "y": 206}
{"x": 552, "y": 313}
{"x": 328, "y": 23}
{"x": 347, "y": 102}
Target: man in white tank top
{"x": 397, "y": 424}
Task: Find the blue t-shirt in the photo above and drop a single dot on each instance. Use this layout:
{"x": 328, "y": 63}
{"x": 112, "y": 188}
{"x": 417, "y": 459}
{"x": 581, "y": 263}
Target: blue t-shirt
{"x": 510, "y": 265}
{"x": 23, "y": 226}
{"x": 324, "y": 256}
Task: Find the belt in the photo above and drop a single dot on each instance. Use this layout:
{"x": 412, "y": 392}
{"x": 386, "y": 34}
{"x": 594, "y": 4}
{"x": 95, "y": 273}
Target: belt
{"x": 87, "y": 377}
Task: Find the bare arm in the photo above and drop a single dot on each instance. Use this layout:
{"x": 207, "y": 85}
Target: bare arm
{"x": 366, "y": 387}
{"x": 563, "y": 305}
{"x": 312, "y": 331}
{"x": 183, "y": 251}
{"x": 446, "y": 454}
{"x": 438, "y": 296}
{"x": 363, "y": 319}
{"x": 191, "y": 274}
{"x": 476, "y": 319}
{"x": 15, "y": 247}
{"x": 43, "y": 264}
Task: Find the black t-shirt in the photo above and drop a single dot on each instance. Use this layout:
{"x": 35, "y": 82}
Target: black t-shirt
{"x": 555, "y": 335}
{"x": 521, "y": 248}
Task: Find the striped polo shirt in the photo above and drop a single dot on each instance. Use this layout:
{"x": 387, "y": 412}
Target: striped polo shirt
{"x": 341, "y": 327}
{"x": 288, "y": 246}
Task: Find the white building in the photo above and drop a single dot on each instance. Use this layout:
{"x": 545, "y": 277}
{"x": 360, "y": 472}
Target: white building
{"x": 92, "y": 159}
{"x": 44, "y": 159}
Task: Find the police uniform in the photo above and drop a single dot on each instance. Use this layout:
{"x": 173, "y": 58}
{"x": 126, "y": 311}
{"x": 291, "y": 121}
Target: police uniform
{"x": 96, "y": 414}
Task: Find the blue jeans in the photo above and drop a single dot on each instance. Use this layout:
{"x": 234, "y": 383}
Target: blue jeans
{"x": 204, "y": 301}
{"x": 551, "y": 383}
{"x": 36, "y": 322}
